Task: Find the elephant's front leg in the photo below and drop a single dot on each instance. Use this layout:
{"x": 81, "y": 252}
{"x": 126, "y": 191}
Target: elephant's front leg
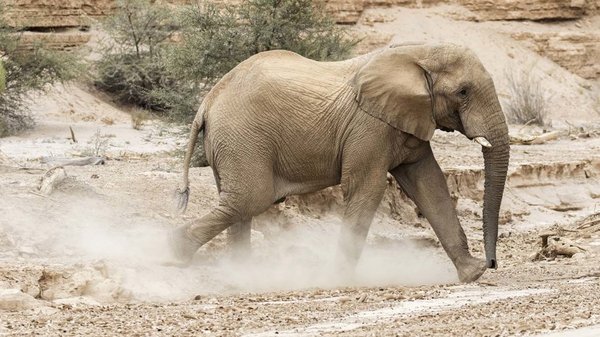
{"x": 425, "y": 184}
{"x": 363, "y": 191}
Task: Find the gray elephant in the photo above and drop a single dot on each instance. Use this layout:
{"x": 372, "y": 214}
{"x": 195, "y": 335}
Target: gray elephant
{"x": 280, "y": 124}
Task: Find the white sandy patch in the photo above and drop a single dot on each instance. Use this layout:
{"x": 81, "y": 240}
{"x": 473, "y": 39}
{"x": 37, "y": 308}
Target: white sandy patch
{"x": 590, "y": 331}
{"x": 372, "y": 317}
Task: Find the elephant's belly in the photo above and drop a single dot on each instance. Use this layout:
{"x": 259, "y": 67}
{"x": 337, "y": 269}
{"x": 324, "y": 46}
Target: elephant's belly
{"x": 285, "y": 187}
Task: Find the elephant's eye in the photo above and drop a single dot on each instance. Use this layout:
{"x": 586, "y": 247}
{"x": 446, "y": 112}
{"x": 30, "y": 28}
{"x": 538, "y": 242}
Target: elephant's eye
{"x": 463, "y": 93}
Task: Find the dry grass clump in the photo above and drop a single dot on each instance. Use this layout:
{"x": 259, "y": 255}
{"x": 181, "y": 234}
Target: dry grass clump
{"x": 138, "y": 117}
{"x": 527, "y": 105}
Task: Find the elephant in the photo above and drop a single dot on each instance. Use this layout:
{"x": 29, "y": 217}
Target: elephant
{"x": 279, "y": 124}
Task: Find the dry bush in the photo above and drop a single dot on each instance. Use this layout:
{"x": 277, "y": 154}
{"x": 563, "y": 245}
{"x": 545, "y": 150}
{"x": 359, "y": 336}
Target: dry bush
{"x": 108, "y": 120}
{"x": 98, "y": 144}
{"x": 138, "y": 117}
{"x": 528, "y": 104}
{"x": 215, "y": 38}
{"x": 133, "y": 63}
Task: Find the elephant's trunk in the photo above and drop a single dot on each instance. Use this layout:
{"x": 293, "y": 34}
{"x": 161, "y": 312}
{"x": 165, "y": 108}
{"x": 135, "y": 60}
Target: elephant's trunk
{"x": 496, "y": 160}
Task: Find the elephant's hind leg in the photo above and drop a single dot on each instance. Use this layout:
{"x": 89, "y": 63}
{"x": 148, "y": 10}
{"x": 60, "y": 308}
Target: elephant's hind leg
{"x": 239, "y": 233}
{"x": 239, "y": 239}
{"x": 237, "y": 205}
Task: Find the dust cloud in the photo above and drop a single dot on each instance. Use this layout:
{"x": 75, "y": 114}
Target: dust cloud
{"x": 71, "y": 232}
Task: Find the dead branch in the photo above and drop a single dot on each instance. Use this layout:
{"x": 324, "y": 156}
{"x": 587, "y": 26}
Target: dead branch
{"x": 72, "y": 135}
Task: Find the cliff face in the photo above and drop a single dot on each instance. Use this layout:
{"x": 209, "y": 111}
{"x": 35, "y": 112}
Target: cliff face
{"x": 576, "y": 51}
{"x": 349, "y": 11}
{"x": 526, "y": 10}
{"x": 74, "y": 13}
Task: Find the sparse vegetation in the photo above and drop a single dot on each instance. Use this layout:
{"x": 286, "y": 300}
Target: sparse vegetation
{"x": 142, "y": 66}
{"x": 98, "y": 144}
{"x": 22, "y": 71}
{"x": 528, "y": 104}
{"x": 216, "y": 38}
{"x": 138, "y": 117}
{"x": 133, "y": 67}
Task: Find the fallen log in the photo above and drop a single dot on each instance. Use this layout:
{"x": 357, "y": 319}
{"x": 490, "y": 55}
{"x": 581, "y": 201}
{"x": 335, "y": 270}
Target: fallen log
{"x": 51, "y": 179}
{"x": 534, "y": 140}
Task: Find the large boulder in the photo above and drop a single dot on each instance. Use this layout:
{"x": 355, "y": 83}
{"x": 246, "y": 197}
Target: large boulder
{"x": 16, "y": 300}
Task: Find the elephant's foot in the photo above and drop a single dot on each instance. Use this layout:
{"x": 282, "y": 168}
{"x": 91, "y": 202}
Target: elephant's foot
{"x": 471, "y": 269}
{"x": 182, "y": 246}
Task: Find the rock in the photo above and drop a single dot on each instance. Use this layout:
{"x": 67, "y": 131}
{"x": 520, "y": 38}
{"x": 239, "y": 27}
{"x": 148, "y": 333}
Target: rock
{"x": 76, "y": 301}
{"x": 56, "y": 13}
{"x": 578, "y": 52}
{"x": 403, "y": 3}
{"x": 350, "y": 11}
{"x": 345, "y": 11}
{"x": 55, "y": 41}
{"x": 370, "y": 41}
{"x": 526, "y": 10}
{"x": 593, "y": 7}
{"x": 553, "y": 246}
{"x": 545, "y": 235}
{"x": 88, "y": 282}
{"x": 344, "y": 299}
{"x": 16, "y": 300}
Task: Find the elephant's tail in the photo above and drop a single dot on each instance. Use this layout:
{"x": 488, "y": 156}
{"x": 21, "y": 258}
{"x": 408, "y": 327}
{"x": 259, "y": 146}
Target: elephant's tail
{"x": 183, "y": 193}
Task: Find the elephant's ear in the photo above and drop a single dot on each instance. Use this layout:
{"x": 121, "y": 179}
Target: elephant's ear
{"x": 395, "y": 89}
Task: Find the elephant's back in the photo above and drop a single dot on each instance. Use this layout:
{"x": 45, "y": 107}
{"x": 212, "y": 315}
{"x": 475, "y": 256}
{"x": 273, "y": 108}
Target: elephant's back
{"x": 277, "y": 86}
{"x": 280, "y": 102}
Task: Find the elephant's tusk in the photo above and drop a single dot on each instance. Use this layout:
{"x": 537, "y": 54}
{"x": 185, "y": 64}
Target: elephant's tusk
{"x": 482, "y": 141}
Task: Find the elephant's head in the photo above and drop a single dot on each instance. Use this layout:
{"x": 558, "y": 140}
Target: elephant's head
{"x": 418, "y": 88}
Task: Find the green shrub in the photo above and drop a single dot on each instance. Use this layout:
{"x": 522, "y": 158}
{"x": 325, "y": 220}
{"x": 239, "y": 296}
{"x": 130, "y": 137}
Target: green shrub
{"x": 133, "y": 67}
{"x": 25, "y": 70}
{"x": 143, "y": 68}
{"x": 216, "y": 38}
